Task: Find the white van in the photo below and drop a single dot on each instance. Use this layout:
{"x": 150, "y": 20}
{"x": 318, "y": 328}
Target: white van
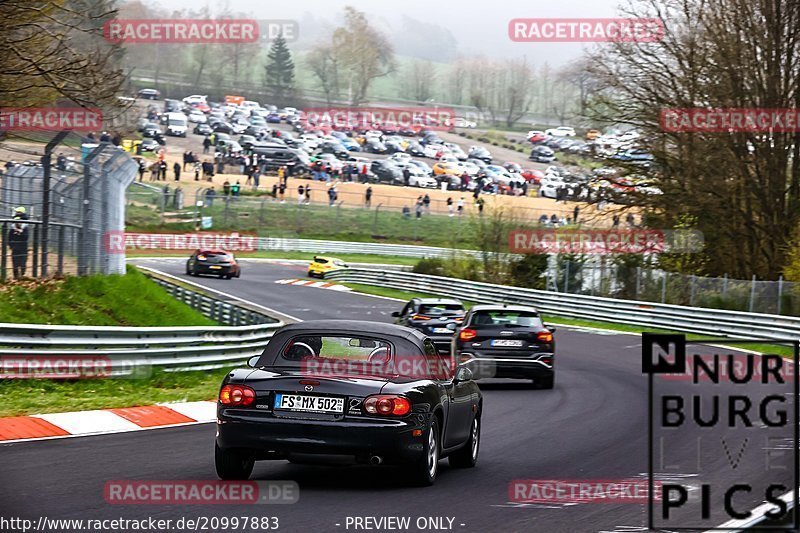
{"x": 177, "y": 124}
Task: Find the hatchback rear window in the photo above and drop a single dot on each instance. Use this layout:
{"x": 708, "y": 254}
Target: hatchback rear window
{"x": 506, "y": 318}
{"x": 441, "y": 309}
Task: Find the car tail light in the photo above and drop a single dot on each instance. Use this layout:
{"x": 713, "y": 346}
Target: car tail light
{"x": 237, "y": 396}
{"x": 420, "y": 317}
{"x": 201, "y": 257}
{"x": 544, "y": 336}
{"x": 383, "y": 404}
{"x": 467, "y": 334}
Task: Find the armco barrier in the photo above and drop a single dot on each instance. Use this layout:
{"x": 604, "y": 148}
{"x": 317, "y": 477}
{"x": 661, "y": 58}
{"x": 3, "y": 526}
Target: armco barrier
{"x": 735, "y": 324}
{"x": 128, "y": 350}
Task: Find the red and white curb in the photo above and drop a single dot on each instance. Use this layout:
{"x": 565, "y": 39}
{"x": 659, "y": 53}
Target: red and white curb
{"x": 99, "y": 422}
{"x": 315, "y": 284}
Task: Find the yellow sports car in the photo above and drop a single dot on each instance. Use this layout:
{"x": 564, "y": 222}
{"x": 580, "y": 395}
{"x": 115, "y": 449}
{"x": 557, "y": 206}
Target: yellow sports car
{"x": 320, "y": 265}
{"x": 446, "y": 168}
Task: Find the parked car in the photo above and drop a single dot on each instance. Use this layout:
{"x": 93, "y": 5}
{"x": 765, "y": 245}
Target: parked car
{"x": 386, "y": 171}
{"x": 542, "y": 154}
{"x": 213, "y": 262}
{"x": 479, "y": 152}
{"x": 380, "y": 408}
{"x": 561, "y": 131}
{"x": 507, "y": 341}
{"x": 149, "y": 94}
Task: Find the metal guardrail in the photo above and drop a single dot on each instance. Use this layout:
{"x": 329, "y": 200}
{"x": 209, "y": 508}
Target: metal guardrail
{"x": 322, "y": 247}
{"x": 128, "y": 350}
{"x": 735, "y": 324}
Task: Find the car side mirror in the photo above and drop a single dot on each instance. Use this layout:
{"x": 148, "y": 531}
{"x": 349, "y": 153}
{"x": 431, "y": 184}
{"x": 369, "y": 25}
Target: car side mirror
{"x": 551, "y": 329}
{"x": 395, "y": 313}
{"x": 463, "y": 374}
{"x": 253, "y": 361}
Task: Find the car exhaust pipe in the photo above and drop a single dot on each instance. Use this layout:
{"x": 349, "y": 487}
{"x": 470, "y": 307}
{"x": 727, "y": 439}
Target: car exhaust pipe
{"x": 375, "y": 460}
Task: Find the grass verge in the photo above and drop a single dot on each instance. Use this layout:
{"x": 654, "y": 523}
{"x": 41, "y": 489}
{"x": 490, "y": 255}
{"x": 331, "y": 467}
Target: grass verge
{"x": 128, "y": 300}
{"x": 277, "y": 254}
{"x": 38, "y": 396}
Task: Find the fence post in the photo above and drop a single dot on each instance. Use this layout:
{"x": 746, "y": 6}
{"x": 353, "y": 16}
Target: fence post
{"x": 752, "y": 292}
{"x": 375, "y": 224}
{"x": 566, "y": 277}
{"x": 692, "y": 290}
{"x": 638, "y": 281}
{"x": 664, "y": 287}
{"x": 4, "y": 249}
{"x": 60, "y": 265}
{"x": 47, "y": 171}
{"x": 780, "y": 293}
{"x": 261, "y": 214}
{"x": 35, "y": 265}
{"x": 725, "y": 285}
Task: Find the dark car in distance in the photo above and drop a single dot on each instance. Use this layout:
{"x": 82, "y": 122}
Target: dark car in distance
{"x": 149, "y": 94}
{"x": 348, "y": 390}
{"x": 386, "y": 171}
{"x": 214, "y": 262}
{"x": 507, "y": 342}
{"x": 438, "y": 318}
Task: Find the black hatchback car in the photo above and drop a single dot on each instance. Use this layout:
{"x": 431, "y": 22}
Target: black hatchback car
{"x": 438, "y": 318}
{"x": 214, "y": 262}
{"x": 348, "y": 390}
{"x": 507, "y": 342}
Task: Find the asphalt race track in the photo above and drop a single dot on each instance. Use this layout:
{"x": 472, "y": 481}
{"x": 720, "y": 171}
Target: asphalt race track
{"x": 593, "y": 425}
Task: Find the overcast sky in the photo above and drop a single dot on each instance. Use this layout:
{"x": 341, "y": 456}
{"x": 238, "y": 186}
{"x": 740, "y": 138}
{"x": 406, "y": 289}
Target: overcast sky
{"x": 477, "y": 26}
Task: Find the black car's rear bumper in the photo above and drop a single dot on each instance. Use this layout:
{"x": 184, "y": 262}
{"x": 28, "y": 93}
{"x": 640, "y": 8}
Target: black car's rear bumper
{"x": 209, "y": 269}
{"x": 529, "y": 366}
{"x": 361, "y": 438}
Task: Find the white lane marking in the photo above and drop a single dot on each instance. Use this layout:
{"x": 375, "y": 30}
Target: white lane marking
{"x": 88, "y": 422}
{"x": 204, "y": 411}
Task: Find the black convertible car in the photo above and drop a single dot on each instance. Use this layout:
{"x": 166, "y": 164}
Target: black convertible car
{"x": 364, "y": 392}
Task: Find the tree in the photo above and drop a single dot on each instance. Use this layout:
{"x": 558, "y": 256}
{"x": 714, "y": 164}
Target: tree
{"x": 362, "y": 53}
{"x": 54, "y": 50}
{"x": 279, "y": 70}
{"x": 323, "y": 63}
{"x": 743, "y": 189}
{"x": 418, "y": 82}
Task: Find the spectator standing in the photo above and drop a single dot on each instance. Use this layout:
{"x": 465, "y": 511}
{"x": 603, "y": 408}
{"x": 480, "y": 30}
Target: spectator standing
{"x": 308, "y": 194}
{"x": 275, "y": 191}
{"x": 61, "y": 162}
{"x": 543, "y": 220}
{"x": 282, "y": 191}
{"x": 406, "y": 176}
{"x": 301, "y": 195}
{"x": 615, "y": 221}
{"x": 450, "y": 205}
{"x": 162, "y": 170}
{"x": 479, "y": 203}
{"x": 142, "y": 168}
{"x": 554, "y": 220}
{"x": 406, "y": 212}
{"x": 331, "y": 195}
{"x": 18, "y": 242}
{"x": 426, "y": 202}
{"x": 226, "y": 188}
{"x": 460, "y": 207}
{"x": 368, "y": 196}
{"x": 206, "y": 145}
{"x": 235, "y": 188}
{"x": 364, "y": 173}
{"x": 630, "y": 220}
{"x": 176, "y": 168}
{"x": 418, "y": 208}
{"x": 575, "y": 213}
{"x": 197, "y": 168}
{"x": 185, "y": 159}
{"x": 210, "y": 195}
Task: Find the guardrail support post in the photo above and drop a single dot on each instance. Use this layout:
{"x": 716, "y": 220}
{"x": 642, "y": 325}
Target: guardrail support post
{"x": 780, "y": 293}
{"x": 4, "y": 250}
{"x": 664, "y": 288}
{"x": 752, "y": 292}
{"x": 566, "y": 277}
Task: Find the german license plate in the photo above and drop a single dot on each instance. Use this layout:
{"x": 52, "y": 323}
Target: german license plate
{"x": 216, "y": 267}
{"x": 506, "y": 342}
{"x": 309, "y": 404}
{"x": 442, "y": 330}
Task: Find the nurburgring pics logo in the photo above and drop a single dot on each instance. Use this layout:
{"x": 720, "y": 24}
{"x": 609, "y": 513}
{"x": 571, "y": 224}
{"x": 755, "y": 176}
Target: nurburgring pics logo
{"x": 730, "y": 120}
{"x": 50, "y": 119}
{"x": 197, "y": 31}
{"x": 367, "y": 118}
{"x": 579, "y": 491}
{"x": 579, "y": 241}
{"x": 117, "y": 242}
{"x": 585, "y": 30}
{"x": 202, "y": 492}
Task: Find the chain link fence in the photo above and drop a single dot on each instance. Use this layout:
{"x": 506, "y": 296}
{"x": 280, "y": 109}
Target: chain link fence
{"x": 61, "y": 195}
{"x": 601, "y": 276}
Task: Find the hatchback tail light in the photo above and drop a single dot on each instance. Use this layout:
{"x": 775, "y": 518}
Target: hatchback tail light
{"x": 387, "y": 404}
{"x": 545, "y": 336}
{"x": 467, "y": 334}
{"x": 237, "y": 396}
{"x": 420, "y": 317}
